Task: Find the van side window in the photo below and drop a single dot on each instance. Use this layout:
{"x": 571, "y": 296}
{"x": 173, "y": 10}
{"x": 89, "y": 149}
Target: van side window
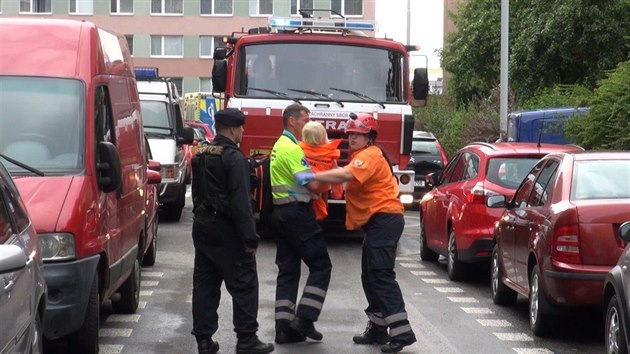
{"x": 103, "y": 115}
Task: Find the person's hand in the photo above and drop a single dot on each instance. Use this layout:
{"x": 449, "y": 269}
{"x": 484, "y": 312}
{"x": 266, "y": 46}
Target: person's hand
{"x": 251, "y": 251}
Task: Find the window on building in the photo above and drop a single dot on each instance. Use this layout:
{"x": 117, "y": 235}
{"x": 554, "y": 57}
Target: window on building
{"x": 207, "y": 45}
{"x": 216, "y": 7}
{"x": 36, "y": 6}
{"x": 167, "y": 6}
{"x": 348, "y": 7}
{"x": 129, "y": 38}
{"x": 260, "y": 7}
{"x": 205, "y": 84}
{"x": 297, "y": 5}
{"x": 167, "y": 46}
{"x": 121, "y": 6}
{"x": 81, "y": 7}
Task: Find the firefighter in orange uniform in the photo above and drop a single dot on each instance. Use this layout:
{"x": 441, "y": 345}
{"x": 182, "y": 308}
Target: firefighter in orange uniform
{"x": 372, "y": 204}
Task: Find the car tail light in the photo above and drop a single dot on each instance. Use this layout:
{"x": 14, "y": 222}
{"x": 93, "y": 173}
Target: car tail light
{"x": 478, "y": 195}
{"x": 565, "y": 245}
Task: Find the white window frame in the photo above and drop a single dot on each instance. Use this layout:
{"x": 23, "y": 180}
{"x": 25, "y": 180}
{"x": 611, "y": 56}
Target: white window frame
{"x": 343, "y": 9}
{"x": 298, "y": 8}
{"x": 162, "y": 9}
{"x": 162, "y": 55}
{"x": 77, "y": 5}
{"x": 30, "y": 11}
{"x": 254, "y": 6}
{"x": 119, "y": 12}
{"x": 213, "y": 10}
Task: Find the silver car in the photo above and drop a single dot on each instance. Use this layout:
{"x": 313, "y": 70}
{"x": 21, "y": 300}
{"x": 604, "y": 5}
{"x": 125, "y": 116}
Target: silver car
{"x": 22, "y": 288}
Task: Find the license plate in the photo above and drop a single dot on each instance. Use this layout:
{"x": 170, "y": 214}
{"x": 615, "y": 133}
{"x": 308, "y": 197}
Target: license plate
{"x": 419, "y": 184}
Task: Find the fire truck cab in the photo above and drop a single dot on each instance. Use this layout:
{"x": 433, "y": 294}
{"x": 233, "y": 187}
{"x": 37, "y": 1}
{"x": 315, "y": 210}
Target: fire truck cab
{"x": 333, "y": 68}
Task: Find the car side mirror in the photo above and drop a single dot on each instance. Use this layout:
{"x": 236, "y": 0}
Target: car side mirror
{"x": 154, "y": 165}
{"x": 154, "y": 177}
{"x": 496, "y": 201}
{"x": 12, "y": 258}
{"x": 109, "y": 167}
{"x": 624, "y": 231}
{"x": 188, "y": 135}
{"x": 432, "y": 179}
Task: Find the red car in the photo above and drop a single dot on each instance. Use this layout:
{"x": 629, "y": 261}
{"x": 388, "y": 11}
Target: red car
{"x": 557, "y": 238}
{"x": 203, "y": 132}
{"x": 454, "y": 218}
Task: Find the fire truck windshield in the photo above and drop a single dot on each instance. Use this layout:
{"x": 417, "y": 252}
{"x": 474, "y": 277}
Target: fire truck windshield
{"x": 311, "y": 71}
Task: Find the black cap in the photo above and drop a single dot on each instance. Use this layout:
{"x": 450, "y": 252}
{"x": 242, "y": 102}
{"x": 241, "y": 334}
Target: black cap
{"x": 230, "y": 117}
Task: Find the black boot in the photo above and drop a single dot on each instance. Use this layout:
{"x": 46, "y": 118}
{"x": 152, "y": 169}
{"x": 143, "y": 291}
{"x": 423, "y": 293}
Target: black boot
{"x": 288, "y": 335}
{"x": 253, "y": 345}
{"x": 394, "y": 346}
{"x": 205, "y": 345}
{"x": 373, "y": 334}
{"x": 306, "y": 328}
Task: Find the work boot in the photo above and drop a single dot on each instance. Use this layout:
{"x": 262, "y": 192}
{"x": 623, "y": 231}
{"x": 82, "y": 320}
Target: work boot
{"x": 289, "y": 335}
{"x": 306, "y": 328}
{"x": 206, "y": 345}
{"x": 394, "y": 346}
{"x": 373, "y": 334}
{"x": 253, "y": 345}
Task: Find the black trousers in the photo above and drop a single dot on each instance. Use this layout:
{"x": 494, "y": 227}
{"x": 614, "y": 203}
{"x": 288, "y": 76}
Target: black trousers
{"x": 386, "y": 306}
{"x": 299, "y": 240}
{"x": 220, "y": 256}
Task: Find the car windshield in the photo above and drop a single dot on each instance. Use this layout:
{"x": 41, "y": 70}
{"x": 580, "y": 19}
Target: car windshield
{"x": 602, "y": 179}
{"x": 508, "y": 172}
{"x": 318, "y": 71}
{"x": 42, "y": 123}
{"x": 424, "y": 147}
{"x": 155, "y": 117}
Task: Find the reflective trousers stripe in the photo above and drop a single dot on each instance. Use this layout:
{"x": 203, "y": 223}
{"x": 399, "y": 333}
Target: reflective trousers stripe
{"x": 377, "y": 319}
{"x": 393, "y": 332}
{"x": 285, "y": 316}
{"x": 285, "y": 303}
{"x": 315, "y": 291}
{"x": 312, "y": 303}
{"x": 395, "y": 318}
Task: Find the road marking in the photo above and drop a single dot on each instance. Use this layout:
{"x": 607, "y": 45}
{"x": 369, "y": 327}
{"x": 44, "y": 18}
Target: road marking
{"x": 477, "y": 310}
{"x": 115, "y": 332}
{"x": 146, "y": 292}
{"x": 153, "y": 274}
{"x": 434, "y": 280}
{"x": 448, "y": 289}
{"x": 411, "y": 265}
{"x": 417, "y": 293}
{"x": 494, "y": 323}
{"x": 123, "y": 318}
{"x": 110, "y": 348}
{"x": 532, "y": 351}
{"x": 189, "y": 299}
{"x": 149, "y": 283}
{"x": 462, "y": 299}
{"x": 142, "y": 304}
{"x": 422, "y": 272}
{"x": 405, "y": 259}
{"x": 513, "y": 337}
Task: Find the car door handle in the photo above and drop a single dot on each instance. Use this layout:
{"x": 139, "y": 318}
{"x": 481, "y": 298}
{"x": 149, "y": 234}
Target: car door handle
{"x": 8, "y": 285}
{"x": 29, "y": 262}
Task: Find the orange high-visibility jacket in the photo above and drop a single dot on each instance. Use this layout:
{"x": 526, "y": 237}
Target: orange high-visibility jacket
{"x": 322, "y": 158}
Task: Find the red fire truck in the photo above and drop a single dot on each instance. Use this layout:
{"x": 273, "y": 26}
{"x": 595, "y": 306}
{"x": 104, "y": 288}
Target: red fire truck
{"x": 330, "y": 66}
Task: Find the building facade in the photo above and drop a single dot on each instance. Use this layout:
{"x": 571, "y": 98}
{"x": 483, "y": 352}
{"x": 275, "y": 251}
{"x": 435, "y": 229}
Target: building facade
{"x": 178, "y": 36}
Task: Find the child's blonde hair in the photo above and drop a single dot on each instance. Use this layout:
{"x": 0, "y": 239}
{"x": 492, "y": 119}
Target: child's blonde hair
{"x": 314, "y": 133}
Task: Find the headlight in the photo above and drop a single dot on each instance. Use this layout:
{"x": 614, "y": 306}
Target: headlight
{"x": 57, "y": 247}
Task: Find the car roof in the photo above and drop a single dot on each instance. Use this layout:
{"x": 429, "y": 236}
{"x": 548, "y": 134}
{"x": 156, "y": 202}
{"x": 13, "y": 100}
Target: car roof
{"x": 601, "y": 155}
{"x": 518, "y": 148}
{"x": 423, "y": 135}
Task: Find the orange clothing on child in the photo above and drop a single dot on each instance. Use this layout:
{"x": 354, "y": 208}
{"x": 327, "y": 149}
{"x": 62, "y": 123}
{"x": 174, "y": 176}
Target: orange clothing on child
{"x": 323, "y": 158}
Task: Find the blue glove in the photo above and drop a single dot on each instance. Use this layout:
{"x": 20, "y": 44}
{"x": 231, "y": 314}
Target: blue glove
{"x": 303, "y": 178}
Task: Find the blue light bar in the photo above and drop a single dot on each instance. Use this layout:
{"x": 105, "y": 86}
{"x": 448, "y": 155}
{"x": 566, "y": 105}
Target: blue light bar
{"x": 147, "y": 73}
{"x": 324, "y": 24}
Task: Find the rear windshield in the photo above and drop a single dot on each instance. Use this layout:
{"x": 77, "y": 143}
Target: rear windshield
{"x": 607, "y": 179}
{"x": 424, "y": 147}
{"x": 509, "y": 172}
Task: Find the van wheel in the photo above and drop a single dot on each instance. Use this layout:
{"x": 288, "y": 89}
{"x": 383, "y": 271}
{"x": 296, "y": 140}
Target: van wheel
{"x": 129, "y": 292}
{"x": 426, "y": 254}
{"x": 37, "y": 345}
{"x": 85, "y": 340}
{"x": 173, "y": 211}
{"x": 539, "y": 319}
{"x": 149, "y": 257}
{"x": 501, "y": 294}
{"x": 454, "y": 267}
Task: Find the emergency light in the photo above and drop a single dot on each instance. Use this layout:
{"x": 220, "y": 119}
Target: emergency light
{"x": 147, "y": 73}
{"x": 289, "y": 23}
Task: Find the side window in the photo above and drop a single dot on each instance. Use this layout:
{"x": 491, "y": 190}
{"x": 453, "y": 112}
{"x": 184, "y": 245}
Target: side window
{"x": 540, "y": 193}
{"x": 459, "y": 170}
{"x": 523, "y": 192}
{"x": 6, "y": 230}
{"x": 448, "y": 170}
{"x": 472, "y": 166}
{"x": 103, "y": 115}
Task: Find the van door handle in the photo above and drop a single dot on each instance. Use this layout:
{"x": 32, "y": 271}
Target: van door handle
{"x": 8, "y": 285}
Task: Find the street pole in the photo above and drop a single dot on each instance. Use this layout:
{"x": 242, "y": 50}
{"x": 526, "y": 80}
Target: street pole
{"x": 408, "y": 22}
{"x": 503, "y": 106}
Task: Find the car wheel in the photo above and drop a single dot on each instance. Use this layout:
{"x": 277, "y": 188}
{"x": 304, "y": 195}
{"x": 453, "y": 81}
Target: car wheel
{"x": 615, "y": 335}
{"x": 37, "y": 345}
{"x": 539, "y": 319}
{"x": 149, "y": 257}
{"x": 454, "y": 267}
{"x": 85, "y": 340}
{"x": 426, "y": 254}
{"x": 129, "y": 292}
{"x": 501, "y": 294}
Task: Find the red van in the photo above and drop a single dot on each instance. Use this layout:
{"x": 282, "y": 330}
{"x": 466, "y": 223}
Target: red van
{"x": 70, "y": 113}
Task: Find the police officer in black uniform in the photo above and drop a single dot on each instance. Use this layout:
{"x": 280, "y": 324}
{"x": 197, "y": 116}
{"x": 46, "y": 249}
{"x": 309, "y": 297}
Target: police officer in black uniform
{"x": 225, "y": 239}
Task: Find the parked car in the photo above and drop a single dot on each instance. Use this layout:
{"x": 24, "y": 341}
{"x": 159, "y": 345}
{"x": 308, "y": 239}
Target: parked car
{"x": 23, "y": 289}
{"x": 617, "y": 299}
{"x": 454, "y": 218}
{"x": 151, "y": 207}
{"x": 427, "y": 156}
{"x": 557, "y": 237}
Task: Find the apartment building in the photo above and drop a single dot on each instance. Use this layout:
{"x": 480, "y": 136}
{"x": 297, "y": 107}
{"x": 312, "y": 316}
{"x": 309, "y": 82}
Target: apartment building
{"x": 178, "y": 36}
